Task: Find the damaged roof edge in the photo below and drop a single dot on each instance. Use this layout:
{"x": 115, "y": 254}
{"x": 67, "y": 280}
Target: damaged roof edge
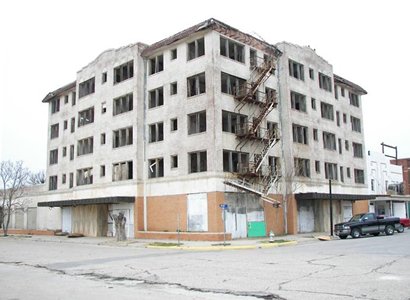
{"x": 208, "y": 24}
{"x": 355, "y": 87}
{"x": 59, "y": 91}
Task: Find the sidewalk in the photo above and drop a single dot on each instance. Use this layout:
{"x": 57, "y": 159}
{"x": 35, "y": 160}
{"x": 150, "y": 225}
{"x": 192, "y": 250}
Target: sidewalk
{"x": 249, "y": 243}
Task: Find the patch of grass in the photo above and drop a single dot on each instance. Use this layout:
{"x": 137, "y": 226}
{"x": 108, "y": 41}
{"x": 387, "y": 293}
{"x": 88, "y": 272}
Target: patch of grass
{"x": 275, "y": 241}
{"x": 163, "y": 244}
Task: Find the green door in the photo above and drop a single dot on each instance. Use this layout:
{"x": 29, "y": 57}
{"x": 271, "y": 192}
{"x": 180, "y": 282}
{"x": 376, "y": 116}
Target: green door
{"x": 256, "y": 229}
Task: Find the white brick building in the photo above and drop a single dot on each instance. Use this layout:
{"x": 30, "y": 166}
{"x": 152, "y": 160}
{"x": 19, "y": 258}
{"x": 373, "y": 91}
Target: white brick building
{"x": 211, "y": 115}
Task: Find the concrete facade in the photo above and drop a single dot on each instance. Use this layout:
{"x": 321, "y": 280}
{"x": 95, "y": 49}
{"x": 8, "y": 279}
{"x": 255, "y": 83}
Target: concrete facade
{"x": 184, "y": 137}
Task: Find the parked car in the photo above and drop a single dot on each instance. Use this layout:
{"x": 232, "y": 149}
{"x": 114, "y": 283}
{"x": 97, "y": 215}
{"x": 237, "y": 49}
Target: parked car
{"x": 404, "y": 223}
{"x": 368, "y": 223}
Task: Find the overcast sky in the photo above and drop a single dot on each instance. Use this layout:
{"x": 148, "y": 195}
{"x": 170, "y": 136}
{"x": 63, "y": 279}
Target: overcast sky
{"x": 44, "y": 43}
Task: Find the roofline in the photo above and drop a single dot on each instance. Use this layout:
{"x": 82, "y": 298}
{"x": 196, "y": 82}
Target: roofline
{"x": 355, "y": 87}
{"x": 59, "y": 91}
{"x": 211, "y": 24}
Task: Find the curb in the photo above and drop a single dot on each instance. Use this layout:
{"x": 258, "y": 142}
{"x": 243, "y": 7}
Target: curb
{"x": 220, "y": 248}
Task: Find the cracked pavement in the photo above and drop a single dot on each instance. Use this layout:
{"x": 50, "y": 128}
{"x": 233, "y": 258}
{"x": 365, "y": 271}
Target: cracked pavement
{"x": 365, "y": 268}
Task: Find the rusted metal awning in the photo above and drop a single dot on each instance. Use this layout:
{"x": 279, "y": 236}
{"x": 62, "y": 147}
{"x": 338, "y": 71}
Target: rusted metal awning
{"x": 325, "y": 196}
{"x": 89, "y": 201}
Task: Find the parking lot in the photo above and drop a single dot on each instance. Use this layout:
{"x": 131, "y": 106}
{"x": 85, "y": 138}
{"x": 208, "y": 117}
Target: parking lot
{"x": 57, "y": 268}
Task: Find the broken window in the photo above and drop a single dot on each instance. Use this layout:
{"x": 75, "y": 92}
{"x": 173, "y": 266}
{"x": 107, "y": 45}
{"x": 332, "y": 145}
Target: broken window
{"x": 102, "y": 139}
{"x": 72, "y": 125}
{"x": 71, "y": 152}
{"x": 296, "y": 70}
{"x": 174, "y": 161}
{"x": 196, "y": 85}
{"x": 85, "y": 176}
{"x": 311, "y": 74}
{"x": 315, "y": 135}
{"x": 73, "y": 98}
{"x": 357, "y": 150}
{"x": 232, "y": 50}
{"x": 53, "y": 157}
{"x": 338, "y": 118}
{"x": 359, "y": 176}
{"x": 102, "y": 171}
{"x": 231, "y": 84}
{"x": 317, "y": 166}
{"x": 85, "y": 146}
{"x": 354, "y": 99}
{"x": 325, "y": 82}
{"x": 71, "y": 184}
{"x": 156, "y": 97}
{"x": 174, "y": 124}
{"x": 156, "y": 64}
{"x": 103, "y": 107}
{"x": 300, "y": 134}
{"x": 342, "y": 179}
{"x": 156, "y": 168}
{"x": 344, "y": 118}
{"x": 197, "y": 122}
{"x": 86, "y": 87}
{"x": 64, "y": 151}
{"x": 174, "y": 88}
{"x": 330, "y": 171}
{"x": 339, "y": 143}
{"x": 103, "y": 77}
{"x": 274, "y": 164}
{"x": 124, "y": 72}
{"x": 86, "y": 117}
{"x": 63, "y": 179}
{"x": 156, "y": 132}
{"x": 234, "y": 122}
{"x": 272, "y": 128}
{"x": 54, "y": 131}
{"x": 65, "y": 99}
{"x": 196, "y": 48}
{"x": 327, "y": 111}
{"x": 253, "y": 60}
{"x": 65, "y": 124}
{"x": 174, "y": 54}
{"x": 298, "y": 101}
{"x": 313, "y": 103}
{"x": 348, "y": 172}
{"x": 52, "y": 183}
{"x": 355, "y": 124}
{"x": 197, "y": 162}
{"x": 329, "y": 140}
{"x": 123, "y": 104}
{"x": 122, "y": 137}
{"x": 122, "y": 171}
{"x": 302, "y": 167}
{"x": 234, "y": 161}
{"x": 336, "y": 94}
{"x": 342, "y": 91}
{"x": 347, "y": 145}
{"x": 55, "y": 105}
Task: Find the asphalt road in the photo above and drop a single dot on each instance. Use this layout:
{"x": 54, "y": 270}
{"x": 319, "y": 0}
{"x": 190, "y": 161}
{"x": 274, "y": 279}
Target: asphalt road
{"x": 365, "y": 268}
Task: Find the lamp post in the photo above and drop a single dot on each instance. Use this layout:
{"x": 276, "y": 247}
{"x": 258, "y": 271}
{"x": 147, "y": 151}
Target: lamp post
{"x": 331, "y": 207}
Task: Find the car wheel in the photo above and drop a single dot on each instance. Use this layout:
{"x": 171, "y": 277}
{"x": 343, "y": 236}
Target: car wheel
{"x": 389, "y": 230}
{"x": 400, "y": 228}
{"x": 355, "y": 233}
{"x": 375, "y": 233}
{"x": 343, "y": 237}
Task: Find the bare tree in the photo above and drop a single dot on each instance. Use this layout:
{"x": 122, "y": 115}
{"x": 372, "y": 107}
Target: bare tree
{"x": 37, "y": 177}
{"x": 13, "y": 179}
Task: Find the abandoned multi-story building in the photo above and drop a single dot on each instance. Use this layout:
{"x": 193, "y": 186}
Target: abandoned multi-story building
{"x": 209, "y": 119}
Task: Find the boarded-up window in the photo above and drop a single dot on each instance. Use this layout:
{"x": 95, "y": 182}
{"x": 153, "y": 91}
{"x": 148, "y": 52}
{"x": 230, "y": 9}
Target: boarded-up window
{"x": 197, "y": 212}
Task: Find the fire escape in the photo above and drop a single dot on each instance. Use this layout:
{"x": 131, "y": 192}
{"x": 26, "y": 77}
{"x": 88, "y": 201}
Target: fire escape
{"x": 255, "y": 175}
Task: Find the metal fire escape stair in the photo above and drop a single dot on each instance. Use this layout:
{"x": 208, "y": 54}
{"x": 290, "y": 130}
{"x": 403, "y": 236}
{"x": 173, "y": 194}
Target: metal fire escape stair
{"x": 261, "y": 182}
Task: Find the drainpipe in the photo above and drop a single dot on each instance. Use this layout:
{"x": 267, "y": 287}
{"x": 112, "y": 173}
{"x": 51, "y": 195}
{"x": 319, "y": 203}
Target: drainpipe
{"x": 144, "y": 167}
